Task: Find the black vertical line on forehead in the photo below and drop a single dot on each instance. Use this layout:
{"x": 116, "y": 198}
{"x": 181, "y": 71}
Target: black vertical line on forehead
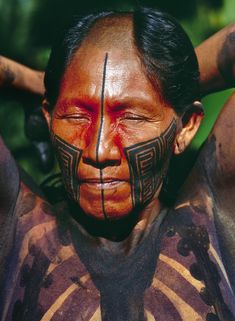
{"x": 100, "y": 131}
{"x": 101, "y": 108}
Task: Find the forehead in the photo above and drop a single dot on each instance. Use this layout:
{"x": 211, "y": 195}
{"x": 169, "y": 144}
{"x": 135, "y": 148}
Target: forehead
{"x": 125, "y": 75}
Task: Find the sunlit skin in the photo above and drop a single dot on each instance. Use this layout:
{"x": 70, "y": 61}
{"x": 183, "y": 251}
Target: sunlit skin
{"x": 106, "y": 104}
{"x": 133, "y": 113}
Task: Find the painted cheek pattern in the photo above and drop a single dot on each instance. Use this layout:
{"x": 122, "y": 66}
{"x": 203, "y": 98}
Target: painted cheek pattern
{"x": 68, "y": 157}
{"x": 148, "y": 163}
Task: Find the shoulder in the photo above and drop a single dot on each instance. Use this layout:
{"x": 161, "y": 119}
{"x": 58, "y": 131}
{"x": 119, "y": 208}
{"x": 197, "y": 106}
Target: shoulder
{"x": 9, "y": 190}
{"x": 211, "y": 185}
{"x": 191, "y": 259}
{"x": 9, "y": 180}
{"x": 43, "y": 263}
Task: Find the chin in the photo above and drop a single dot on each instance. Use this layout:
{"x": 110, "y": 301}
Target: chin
{"x": 109, "y": 210}
{"x": 109, "y": 204}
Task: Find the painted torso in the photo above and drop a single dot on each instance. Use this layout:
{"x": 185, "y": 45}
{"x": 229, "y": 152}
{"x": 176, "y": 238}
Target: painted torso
{"x": 52, "y": 275}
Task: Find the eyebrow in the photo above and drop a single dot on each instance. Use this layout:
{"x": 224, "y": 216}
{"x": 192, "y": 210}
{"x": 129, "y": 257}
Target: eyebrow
{"x": 130, "y": 102}
{"x": 84, "y": 103}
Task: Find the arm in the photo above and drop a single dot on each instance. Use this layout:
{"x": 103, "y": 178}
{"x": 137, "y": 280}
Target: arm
{"x": 216, "y": 57}
{"x": 21, "y": 77}
{"x": 210, "y": 188}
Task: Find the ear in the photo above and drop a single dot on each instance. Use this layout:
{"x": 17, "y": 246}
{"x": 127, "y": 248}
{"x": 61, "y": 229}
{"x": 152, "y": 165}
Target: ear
{"x": 46, "y": 112}
{"x": 190, "y": 123}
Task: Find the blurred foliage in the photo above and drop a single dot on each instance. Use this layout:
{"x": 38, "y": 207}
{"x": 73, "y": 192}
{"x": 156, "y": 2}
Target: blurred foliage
{"x": 27, "y": 30}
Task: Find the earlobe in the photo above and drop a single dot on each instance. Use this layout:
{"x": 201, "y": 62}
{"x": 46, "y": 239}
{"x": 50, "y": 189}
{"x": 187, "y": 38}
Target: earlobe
{"x": 190, "y": 124}
{"x": 46, "y": 112}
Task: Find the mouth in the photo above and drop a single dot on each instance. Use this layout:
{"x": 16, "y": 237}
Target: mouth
{"x": 105, "y": 183}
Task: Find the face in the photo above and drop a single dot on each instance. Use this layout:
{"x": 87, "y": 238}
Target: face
{"x": 112, "y": 133}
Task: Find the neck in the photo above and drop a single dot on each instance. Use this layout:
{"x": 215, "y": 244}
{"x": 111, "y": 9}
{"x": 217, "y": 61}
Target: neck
{"x": 130, "y": 229}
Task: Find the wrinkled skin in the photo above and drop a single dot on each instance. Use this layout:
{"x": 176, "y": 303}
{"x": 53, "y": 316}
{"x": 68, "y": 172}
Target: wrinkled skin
{"x": 104, "y": 107}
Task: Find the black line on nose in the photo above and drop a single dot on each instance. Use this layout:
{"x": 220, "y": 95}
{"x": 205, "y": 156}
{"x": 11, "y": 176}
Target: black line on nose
{"x": 101, "y": 108}
{"x": 100, "y": 131}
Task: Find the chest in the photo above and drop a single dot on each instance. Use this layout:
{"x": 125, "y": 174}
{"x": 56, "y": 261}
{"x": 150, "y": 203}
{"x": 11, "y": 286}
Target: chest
{"x": 55, "y": 282}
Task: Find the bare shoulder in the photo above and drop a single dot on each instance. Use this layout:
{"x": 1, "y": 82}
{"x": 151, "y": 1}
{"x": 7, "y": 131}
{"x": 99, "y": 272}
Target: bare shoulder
{"x": 9, "y": 179}
{"x": 9, "y": 190}
{"x": 210, "y": 188}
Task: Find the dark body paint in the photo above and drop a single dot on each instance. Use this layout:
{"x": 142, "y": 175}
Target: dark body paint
{"x": 195, "y": 239}
{"x": 9, "y": 190}
{"x": 100, "y": 131}
{"x": 223, "y": 209}
{"x": 122, "y": 280}
{"x": 68, "y": 157}
{"x": 148, "y": 163}
{"x": 7, "y": 75}
{"x": 226, "y": 58}
{"x": 32, "y": 279}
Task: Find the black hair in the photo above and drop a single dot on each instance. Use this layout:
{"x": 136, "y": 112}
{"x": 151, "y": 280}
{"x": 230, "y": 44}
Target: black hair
{"x": 163, "y": 46}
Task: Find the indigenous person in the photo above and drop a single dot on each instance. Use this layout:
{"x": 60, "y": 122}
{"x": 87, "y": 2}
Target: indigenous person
{"x": 122, "y": 97}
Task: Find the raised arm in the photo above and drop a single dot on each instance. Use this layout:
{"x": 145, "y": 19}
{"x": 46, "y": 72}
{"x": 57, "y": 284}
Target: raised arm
{"x": 216, "y": 57}
{"x": 21, "y": 77}
{"x": 210, "y": 188}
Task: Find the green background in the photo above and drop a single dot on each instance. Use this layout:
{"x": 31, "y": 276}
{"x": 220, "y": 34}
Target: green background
{"x": 27, "y": 30}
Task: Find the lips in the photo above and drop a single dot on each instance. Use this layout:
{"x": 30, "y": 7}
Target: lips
{"x": 105, "y": 182}
{"x": 101, "y": 180}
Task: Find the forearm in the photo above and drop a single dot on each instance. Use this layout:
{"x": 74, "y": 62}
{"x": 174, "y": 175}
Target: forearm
{"x": 21, "y": 77}
{"x": 216, "y": 57}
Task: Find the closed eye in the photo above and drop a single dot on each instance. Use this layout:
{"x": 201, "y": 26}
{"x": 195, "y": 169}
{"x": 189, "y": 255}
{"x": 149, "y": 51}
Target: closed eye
{"x": 132, "y": 117}
{"x": 73, "y": 116}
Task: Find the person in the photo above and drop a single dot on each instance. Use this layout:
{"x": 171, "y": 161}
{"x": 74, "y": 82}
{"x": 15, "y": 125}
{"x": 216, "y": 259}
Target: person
{"x": 122, "y": 96}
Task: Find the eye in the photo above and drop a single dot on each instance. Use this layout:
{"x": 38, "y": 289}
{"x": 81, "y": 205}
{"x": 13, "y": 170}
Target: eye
{"x": 132, "y": 117}
{"x": 74, "y": 116}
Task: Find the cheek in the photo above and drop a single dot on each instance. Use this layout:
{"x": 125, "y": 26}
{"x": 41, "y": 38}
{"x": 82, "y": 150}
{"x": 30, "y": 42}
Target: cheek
{"x": 76, "y": 134}
{"x": 68, "y": 157}
{"x": 148, "y": 163}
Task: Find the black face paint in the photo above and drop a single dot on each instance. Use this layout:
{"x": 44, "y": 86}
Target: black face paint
{"x": 148, "y": 163}
{"x": 100, "y": 132}
{"x": 68, "y": 157}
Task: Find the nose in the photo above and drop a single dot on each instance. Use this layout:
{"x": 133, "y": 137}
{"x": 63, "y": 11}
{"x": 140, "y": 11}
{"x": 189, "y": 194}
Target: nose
{"x": 102, "y": 150}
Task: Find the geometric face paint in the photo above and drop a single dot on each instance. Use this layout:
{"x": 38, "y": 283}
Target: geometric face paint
{"x": 100, "y": 132}
{"x": 109, "y": 179}
{"x": 148, "y": 162}
{"x": 68, "y": 157}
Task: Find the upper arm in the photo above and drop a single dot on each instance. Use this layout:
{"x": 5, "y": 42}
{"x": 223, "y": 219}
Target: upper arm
{"x": 216, "y": 166}
{"x": 222, "y": 137}
{"x": 9, "y": 180}
{"x": 216, "y": 58}
{"x": 19, "y": 76}
{"x": 9, "y": 189}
